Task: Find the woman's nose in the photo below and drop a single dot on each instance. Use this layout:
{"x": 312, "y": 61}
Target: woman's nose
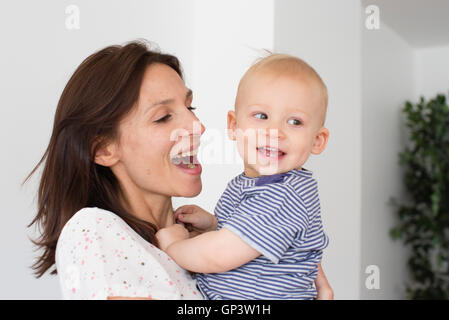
{"x": 192, "y": 127}
{"x": 196, "y": 127}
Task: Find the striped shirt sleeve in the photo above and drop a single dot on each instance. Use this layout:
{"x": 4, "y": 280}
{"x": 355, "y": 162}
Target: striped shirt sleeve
{"x": 270, "y": 220}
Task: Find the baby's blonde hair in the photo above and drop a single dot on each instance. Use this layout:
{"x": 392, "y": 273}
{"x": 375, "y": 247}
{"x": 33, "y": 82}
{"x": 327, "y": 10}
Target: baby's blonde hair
{"x": 284, "y": 64}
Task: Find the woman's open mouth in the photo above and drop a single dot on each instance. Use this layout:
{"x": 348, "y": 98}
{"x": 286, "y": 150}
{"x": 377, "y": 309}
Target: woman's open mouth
{"x": 187, "y": 162}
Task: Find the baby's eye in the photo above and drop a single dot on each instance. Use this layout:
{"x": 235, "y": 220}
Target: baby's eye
{"x": 260, "y": 115}
{"x": 294, "y": 122}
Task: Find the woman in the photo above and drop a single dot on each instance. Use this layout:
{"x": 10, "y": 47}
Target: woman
{"x": 123, "y": 119}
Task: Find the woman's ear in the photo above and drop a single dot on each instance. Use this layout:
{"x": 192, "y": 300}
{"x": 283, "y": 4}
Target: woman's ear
{"x": 320, "y": 141}
{"x": 231, "y": 125}
{"x": 106, "y": 154}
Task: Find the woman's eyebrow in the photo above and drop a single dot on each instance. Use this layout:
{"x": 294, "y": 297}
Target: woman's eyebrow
{"x": 170, "y": 101}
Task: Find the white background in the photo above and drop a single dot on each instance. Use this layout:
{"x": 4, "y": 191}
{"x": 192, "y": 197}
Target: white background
{"x": 369, "y": 74}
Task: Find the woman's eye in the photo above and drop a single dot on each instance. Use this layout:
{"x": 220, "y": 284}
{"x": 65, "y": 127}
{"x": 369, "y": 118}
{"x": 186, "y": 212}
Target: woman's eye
{"x": 294, "y": 122}
{"x": 191, "y": 108}
{"x": 261, "y": 115}
{"x": 163, "y": 119}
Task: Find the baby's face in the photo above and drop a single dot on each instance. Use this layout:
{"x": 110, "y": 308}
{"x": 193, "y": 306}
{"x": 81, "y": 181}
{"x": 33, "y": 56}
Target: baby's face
{"x": 277, "y": 123}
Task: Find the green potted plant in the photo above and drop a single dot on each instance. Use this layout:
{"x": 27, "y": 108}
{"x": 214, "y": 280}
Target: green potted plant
{"x": 424, "y": 215}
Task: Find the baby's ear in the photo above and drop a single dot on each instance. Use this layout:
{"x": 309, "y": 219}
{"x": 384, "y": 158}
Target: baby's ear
{"x": 232, "y": 123}
{"x": 320, "y": 141}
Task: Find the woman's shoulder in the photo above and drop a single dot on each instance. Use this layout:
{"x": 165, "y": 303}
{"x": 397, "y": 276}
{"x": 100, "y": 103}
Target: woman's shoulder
{"x": 90, "y": 220}
{"x": 97, "y": 249}
{"x": 93, "y": 229}
{"x": 92, "y": 216}
{"x": 90, "y": 213}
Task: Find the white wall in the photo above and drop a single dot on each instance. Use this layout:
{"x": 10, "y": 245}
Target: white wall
{"x": 388, "y": 81}
{"x": 432, "y": 71}
{"x": 37, "y": 58}
{"x": 393, "y": 72}
{"x": 327, "y": 34}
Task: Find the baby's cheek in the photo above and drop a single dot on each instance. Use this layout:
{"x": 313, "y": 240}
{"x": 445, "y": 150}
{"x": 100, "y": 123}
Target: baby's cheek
{"x": 302, "y": 156}
{"x": 247, "y": 150}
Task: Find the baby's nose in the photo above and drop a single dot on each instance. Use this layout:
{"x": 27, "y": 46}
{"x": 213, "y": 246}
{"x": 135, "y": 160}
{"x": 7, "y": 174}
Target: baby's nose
{"x": 274, "y": 133}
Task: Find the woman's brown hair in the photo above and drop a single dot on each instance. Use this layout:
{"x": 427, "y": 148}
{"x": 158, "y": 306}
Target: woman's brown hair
{"x": 102, "y": 90}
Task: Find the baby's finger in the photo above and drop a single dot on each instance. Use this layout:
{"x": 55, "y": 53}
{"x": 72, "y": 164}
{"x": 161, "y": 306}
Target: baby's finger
{"x": 185, "y": 209}
{"x": 188, "y": 218}
{"x": 176, "y": 215}
{"x": 181, "y": 216}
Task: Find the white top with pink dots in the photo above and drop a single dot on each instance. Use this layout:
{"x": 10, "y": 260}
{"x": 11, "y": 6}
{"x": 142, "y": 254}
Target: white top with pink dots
{"x": 99, "y": 255}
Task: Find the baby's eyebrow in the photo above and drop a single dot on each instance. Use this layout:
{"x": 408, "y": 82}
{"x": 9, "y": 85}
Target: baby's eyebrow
{"x": 301, "y": 113}
{"x": 258, "y": 105}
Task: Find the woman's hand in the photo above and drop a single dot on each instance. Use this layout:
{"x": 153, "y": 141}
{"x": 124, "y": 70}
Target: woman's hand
{"x": 172, "y": 234}
{"x": 195, "y": 219}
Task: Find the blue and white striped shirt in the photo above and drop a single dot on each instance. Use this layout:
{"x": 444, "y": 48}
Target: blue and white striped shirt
{"x": 279, "y": 217}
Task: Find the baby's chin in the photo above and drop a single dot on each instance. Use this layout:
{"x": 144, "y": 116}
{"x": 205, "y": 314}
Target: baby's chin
{"x": 266, "y": 170}
{"x": 263, "y": 170}
{"x": 269, "y": 170}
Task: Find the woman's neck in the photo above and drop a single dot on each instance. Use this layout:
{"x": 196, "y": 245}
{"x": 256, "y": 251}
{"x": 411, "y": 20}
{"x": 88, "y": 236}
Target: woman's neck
{"x": 151, "y": 207}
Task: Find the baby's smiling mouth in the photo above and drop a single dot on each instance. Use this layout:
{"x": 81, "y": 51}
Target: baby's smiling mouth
{"x": 271, "y": 152}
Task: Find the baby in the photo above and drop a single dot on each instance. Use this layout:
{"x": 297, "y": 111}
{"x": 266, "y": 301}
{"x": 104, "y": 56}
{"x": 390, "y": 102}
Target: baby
{"x": 266, "y": 238}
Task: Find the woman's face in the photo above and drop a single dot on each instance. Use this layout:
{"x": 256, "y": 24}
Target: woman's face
{"x": 159, "y": 127}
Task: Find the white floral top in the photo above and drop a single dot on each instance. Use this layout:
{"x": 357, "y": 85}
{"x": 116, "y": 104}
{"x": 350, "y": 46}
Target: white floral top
{"x": 99, "y": 255}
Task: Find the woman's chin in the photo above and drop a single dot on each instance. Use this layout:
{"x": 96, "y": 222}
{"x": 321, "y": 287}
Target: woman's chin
{"x": 191, "y": 191}
{"x": 188, "y": 186}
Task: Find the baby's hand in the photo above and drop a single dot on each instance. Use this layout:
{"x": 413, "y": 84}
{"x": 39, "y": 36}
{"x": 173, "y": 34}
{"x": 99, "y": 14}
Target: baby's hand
{"x": 325, "y": 293}
{"x": 172, "y": 234}
{"x": 324, "y": 290}
{"x": 196, "y": 219}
